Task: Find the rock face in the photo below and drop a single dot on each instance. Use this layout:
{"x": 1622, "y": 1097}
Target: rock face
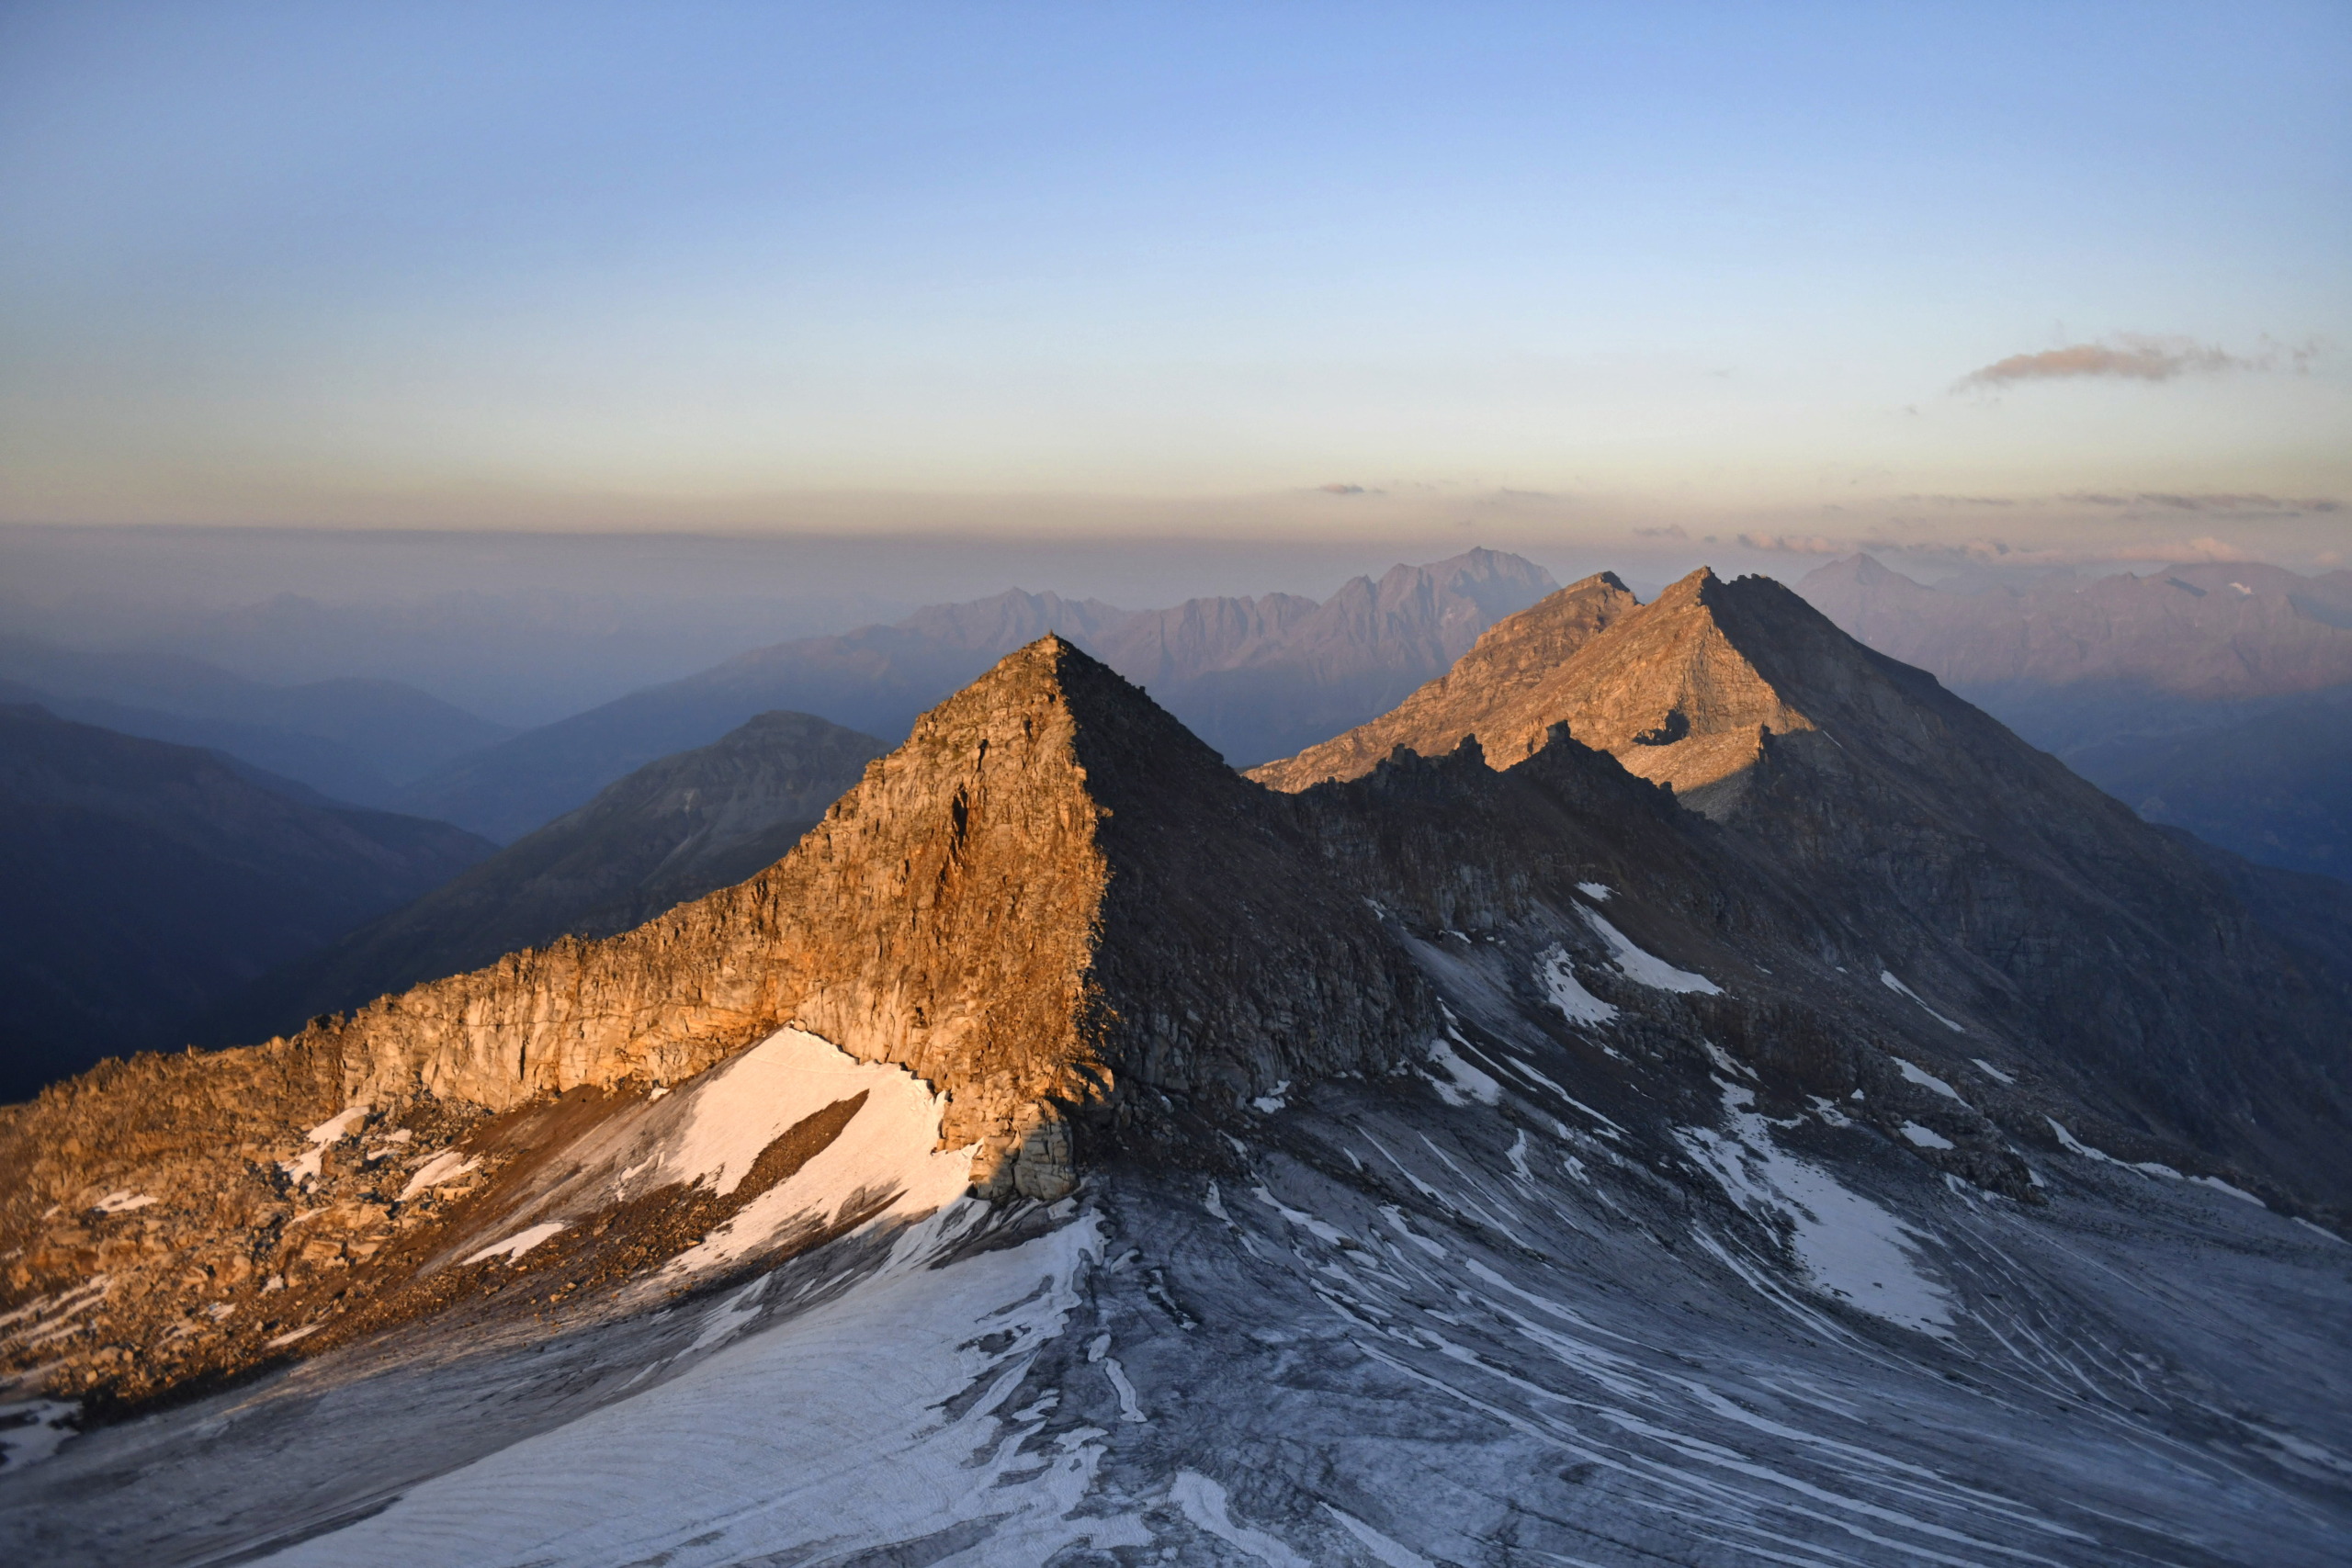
{"x": 669, "y": 834}
{"x": 1015, "y": 905}
{"x": 1661, "y": 686}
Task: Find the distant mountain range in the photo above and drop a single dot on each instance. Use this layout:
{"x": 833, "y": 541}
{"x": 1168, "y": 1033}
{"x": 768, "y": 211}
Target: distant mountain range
{"x": 669, "y": 832}
{"x": 1255, "y": 677}
{"x": 140, "y": 883}
{"x": 351, "y": 740}
{"x": 2216, "y": 697}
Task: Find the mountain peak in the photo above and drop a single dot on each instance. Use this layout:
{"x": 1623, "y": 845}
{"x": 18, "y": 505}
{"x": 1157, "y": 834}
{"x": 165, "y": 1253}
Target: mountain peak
{"x": 1660, "y": 685}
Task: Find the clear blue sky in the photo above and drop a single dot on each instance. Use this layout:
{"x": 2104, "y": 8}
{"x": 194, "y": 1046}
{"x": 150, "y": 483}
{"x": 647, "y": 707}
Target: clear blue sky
{"x": 1109, "y": 265}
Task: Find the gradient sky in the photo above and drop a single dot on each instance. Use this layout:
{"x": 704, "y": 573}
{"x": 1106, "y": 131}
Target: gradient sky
{"x": 2070, "y": 278}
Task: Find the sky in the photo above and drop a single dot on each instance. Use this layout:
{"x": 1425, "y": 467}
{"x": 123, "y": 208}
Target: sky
{"x": 2035, "y": 282}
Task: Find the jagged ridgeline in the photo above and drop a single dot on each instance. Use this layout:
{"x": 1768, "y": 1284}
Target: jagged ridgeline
{"x": 1053, "y": 932}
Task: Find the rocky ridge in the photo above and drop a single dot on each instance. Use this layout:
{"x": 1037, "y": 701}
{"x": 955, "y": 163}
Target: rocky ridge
{"x": 1060, "y": 913}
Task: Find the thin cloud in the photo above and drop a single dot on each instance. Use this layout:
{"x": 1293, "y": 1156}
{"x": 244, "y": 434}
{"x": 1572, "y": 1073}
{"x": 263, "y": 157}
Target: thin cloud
{"x": 1799, "y": 544}
{"x": 1989, "y": 551}
{"x": 2131, "y": 358}
{"x": 2269, "y": 506}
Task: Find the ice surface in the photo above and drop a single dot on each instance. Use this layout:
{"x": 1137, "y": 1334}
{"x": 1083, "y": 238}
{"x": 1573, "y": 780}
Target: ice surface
{"x": 31, "y": 1431}
{"x": 1887, "y": 978}
{"x": 1646, "y": 968}
{"x": 878, "y": 1417}
{"x": 1203, "y": 1502}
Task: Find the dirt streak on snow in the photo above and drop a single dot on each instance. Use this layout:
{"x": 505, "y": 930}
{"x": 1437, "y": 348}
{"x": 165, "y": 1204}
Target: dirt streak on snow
{"x": 833, "y": 1427}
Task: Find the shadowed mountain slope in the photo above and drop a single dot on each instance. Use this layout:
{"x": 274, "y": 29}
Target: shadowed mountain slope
{"x": 1253, "y": 677}
{"x": 2216, "y": 697}
{"x": 141, "y": 882}
{"x": 669, "y": 834}
{"x": 1987, "y": 874}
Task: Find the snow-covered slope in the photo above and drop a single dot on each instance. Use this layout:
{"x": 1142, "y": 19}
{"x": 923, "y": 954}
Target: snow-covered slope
{"x": 1388, "y": 1325}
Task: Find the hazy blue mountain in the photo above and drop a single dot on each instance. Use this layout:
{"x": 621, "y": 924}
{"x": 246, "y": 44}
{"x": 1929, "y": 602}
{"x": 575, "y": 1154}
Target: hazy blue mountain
{"x": 670, "y": 831}
{"x": 352, "y": 739}
{"x": 143, "y": 882}
{"x": 2216, "y": 697}
{"x": 1255, "y": 677}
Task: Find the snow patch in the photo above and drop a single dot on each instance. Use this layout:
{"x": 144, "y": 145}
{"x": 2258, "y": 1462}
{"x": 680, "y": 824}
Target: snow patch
{"x": 1887, "y": 978}
{"x": 521, "y": 1242}
{"x": 1847, "y": 1245}
{"x": 441, "y": 1169}
{"x": 1925, "y": 1137}
{"x": 2221, "y": 1186}
{"x": 1559, "y": 978}
{"x": 1202, "y": 1501}
{"x": 122, "y": 1202}
{"x": 1467, "y": 1078}
{"x": 886, "y": 1159}
{"x": 1926, "y": 1079}
{"x": 1995, "y": 1074}
{"x": 320, "y": 1138}
{"x": 1646, "y": 969}
{"x": 1599, "y": 892}
{"x": 303, "y": 1333}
